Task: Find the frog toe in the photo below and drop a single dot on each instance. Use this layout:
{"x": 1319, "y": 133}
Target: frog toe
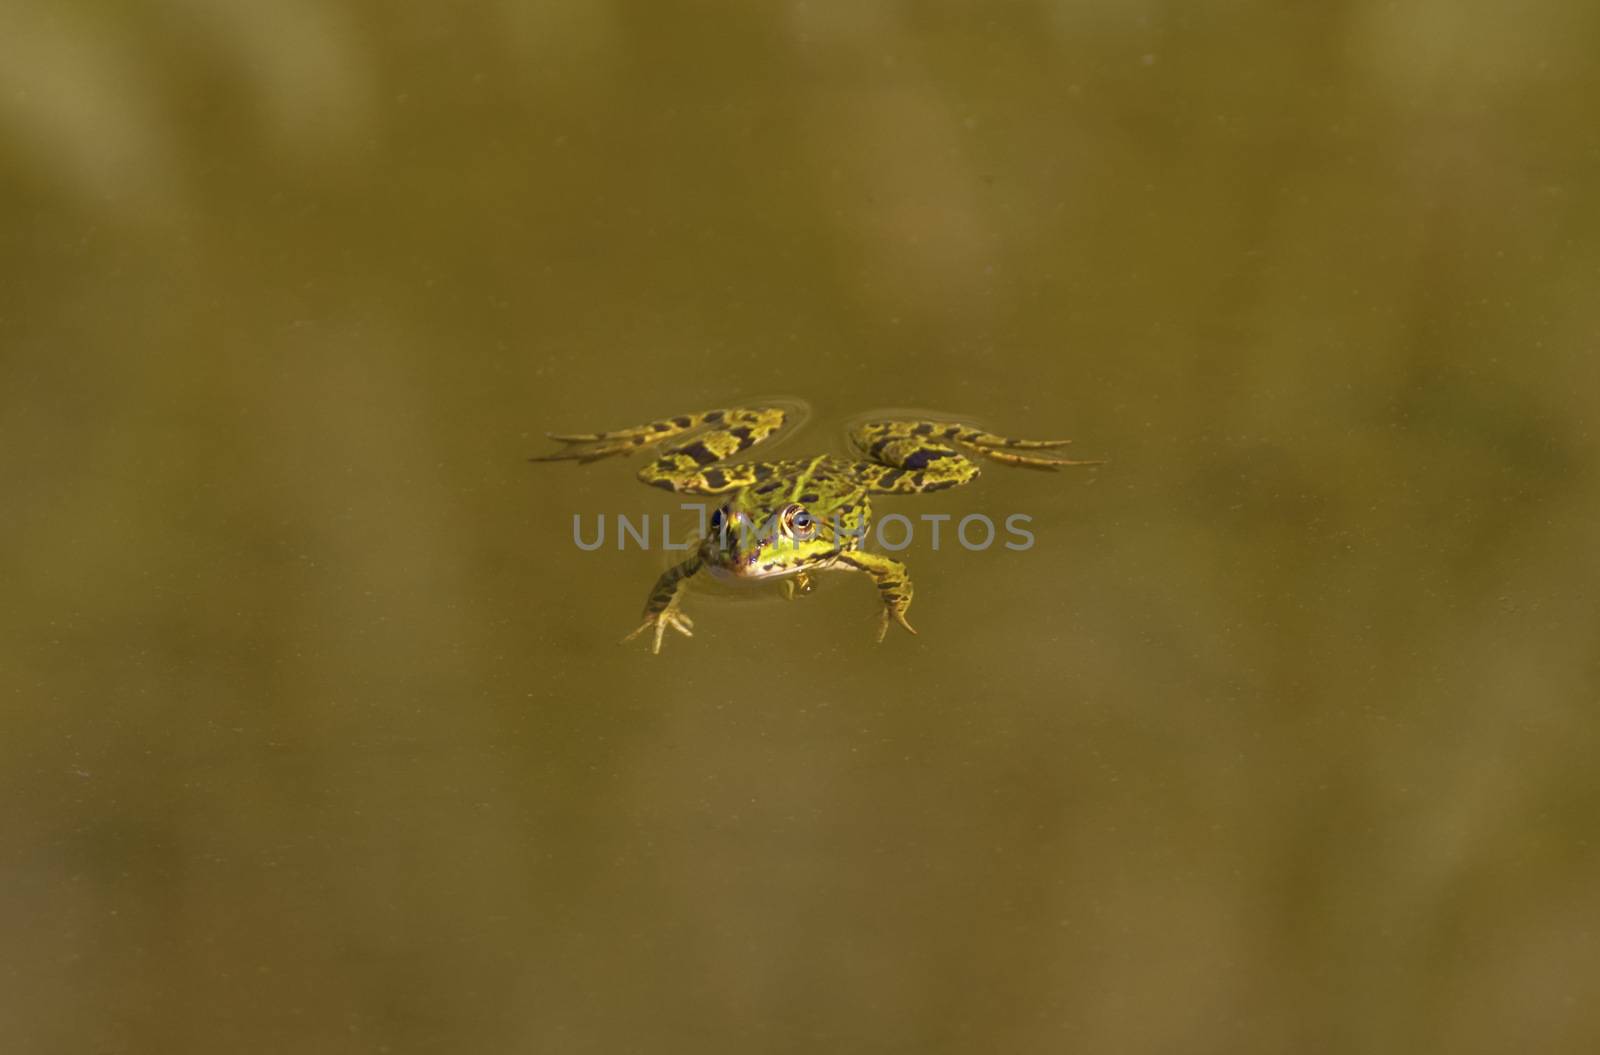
{"x": 677, "y": 620}
{"x": 585, "y": 449}
{"x": 1033, "y": 461}
{"x": 883, "y": 624}
{"x": 989, "y": 439}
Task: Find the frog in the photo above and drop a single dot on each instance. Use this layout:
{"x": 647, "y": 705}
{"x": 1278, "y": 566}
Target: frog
{"x": 787, "y": 520}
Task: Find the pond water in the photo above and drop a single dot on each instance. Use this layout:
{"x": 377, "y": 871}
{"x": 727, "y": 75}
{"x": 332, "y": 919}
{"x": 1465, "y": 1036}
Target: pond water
{"x": 318, "y": 735}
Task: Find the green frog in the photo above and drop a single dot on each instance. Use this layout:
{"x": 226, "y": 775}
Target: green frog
{"x": 784, "y": 520}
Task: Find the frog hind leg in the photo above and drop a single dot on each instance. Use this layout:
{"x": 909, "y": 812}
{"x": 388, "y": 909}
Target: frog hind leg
{"x": 913, "y": 456}
{"x": 894, "y": 585}
{"x": 709, "y": 436}
{"x": 592, "y": 446}
{"x": 661, "y": 610}
{"x": 1011, "y": 451}
{"x": 693, "y": 466}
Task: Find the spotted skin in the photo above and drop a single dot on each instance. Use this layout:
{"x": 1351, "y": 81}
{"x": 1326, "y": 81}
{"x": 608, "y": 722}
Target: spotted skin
{"x": 689, "y": 465}
{"x": 786, "y": 519}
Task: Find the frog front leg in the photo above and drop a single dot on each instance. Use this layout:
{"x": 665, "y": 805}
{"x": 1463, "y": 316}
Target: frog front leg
{"x": 894, "y": 586}
{"x": 796, "y": 584}
{"x": 661, "y": 610}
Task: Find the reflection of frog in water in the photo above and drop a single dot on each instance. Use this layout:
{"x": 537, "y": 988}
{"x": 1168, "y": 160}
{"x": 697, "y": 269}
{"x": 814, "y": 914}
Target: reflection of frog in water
{"x": 783, "y": 520}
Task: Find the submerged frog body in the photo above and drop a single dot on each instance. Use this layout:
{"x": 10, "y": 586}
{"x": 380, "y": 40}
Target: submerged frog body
{"x": 786, "y": 519}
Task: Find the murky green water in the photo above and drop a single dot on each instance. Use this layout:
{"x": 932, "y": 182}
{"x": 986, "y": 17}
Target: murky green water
{"x": 317, "y": 736}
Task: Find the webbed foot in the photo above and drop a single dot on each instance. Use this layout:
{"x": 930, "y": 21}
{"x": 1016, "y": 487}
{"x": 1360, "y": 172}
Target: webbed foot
{"x": 661, "y": 620}
{"x": 898, "y": 616}
{"x": 662, "y": 610}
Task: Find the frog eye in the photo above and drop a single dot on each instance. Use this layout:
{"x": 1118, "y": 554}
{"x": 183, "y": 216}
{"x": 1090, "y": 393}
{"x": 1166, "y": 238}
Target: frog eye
{"x": 797, "y": 523}
{"x": 724, "y": 517}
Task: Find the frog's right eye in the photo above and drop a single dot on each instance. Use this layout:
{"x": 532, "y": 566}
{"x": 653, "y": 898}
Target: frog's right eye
{"x": 797, "y": 523}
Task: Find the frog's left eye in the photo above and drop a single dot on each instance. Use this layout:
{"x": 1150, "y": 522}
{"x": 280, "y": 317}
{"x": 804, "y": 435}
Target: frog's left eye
{"x": 797, "y": 523}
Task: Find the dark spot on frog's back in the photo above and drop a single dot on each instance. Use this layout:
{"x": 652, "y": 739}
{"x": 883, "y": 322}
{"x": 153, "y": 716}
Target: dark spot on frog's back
{"x": 919, "y": 459}
{"x": 714, "y": 478}
{"x": 713, "y": 416}
{"x": 924, "y": 429}
{"x": 743, "y": 432}
{"x": 809, "y": 498}
{"x": 699, "y": 453}
{"x": 681, "y": 422}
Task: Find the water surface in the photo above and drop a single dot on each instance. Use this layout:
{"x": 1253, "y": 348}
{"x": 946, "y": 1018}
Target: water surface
{"x": 317, "y": 734}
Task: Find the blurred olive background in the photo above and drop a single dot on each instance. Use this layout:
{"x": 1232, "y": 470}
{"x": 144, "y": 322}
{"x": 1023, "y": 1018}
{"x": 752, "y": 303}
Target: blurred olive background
{"x": 317, "y": 736}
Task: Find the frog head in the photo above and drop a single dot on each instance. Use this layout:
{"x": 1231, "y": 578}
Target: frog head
{"x": 765, "y": 542}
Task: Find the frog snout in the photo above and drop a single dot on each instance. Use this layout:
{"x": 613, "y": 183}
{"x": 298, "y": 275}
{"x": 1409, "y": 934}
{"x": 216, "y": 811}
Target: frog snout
{"x": 744, "y": 563}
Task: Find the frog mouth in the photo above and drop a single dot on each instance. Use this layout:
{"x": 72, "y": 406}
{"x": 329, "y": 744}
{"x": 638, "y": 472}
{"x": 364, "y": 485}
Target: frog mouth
{"x": 746, "y": 565}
